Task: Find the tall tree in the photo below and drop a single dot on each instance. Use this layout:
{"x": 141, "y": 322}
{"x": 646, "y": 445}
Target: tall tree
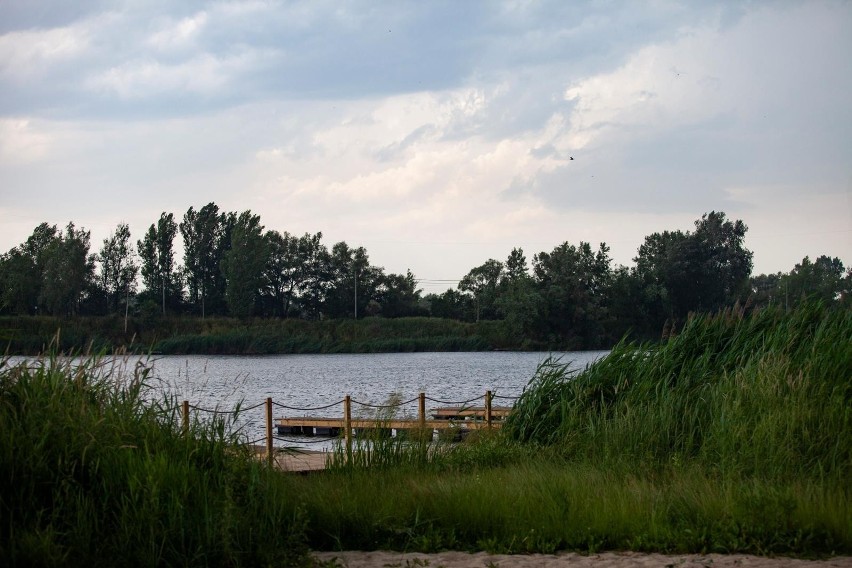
{"x": 156, "y": 249}
{"x": 317, "y": 275}
{"x": 353, "y": 283}
{"x": 283, "y": 272}
{"x": 823, "y": 279}
{"x": 68, "y": 270}
{"x": 482, "y": 282}
{"x": 574, "y": 284}
{"x": 118, "y": 268}
{"x": 519, "y": 301}
{"x": 22, "y": 271}
{"x": 206, "y": 238}
{"x": 398, "y": 295}
{"x": 703, "y": 270}
{"x": 244, "y": 263}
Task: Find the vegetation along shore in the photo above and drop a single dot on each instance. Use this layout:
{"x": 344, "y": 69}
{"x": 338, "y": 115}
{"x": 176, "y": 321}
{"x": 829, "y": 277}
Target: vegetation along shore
{"x": 242, "y": 288}
{"x": 732, "y": 436}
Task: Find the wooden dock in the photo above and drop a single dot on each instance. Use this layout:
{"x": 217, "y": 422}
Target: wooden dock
{"x": 451, "y": 423}
{"x": 461, "y": 418}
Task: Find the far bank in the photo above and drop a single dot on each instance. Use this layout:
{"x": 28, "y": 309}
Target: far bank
{"x": 31, "y": 335}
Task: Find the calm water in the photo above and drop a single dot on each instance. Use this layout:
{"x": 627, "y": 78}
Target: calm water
{"x": 305, "y": 381}
{"x": 221, "y": 382}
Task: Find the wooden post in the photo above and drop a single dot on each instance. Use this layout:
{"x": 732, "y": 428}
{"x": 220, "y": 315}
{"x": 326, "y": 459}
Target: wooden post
{"x": 269, "y": 430}
{"x": 488, "y": 409}
{"x": 185, "y": 414}
{"x": 347, "y": 426}
{"x": 421, "y": 415}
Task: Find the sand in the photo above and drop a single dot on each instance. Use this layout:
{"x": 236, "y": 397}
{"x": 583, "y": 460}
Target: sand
{"x": 385, "y": 559}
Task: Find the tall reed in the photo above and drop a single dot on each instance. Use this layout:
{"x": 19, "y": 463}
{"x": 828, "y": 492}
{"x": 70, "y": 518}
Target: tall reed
{"x": 763, "y": 394}
{"x": 93, "y": 474}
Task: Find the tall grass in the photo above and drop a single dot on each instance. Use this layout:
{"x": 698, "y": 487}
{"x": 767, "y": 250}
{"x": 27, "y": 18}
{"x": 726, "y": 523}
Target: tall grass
{"x": 93, "y": 474}
{"x": 545, "y": 505}
{"x": 768, "y": 394}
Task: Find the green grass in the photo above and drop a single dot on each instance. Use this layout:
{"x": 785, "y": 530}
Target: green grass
{"x": 542, "y": 505}
{"x": 768, "y": 395}
{"x": 733, "y": 436}
{"x": 92, "y": 474}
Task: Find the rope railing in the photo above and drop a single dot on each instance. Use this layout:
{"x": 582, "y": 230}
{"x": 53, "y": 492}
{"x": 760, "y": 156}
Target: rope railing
{"x": 386, "y": 406}
{"x": 505, "y": 397}
{"x": 437, "y": 401}
{"x": 320, "y": 441}
{"x": 307, "y": 409}
{"x": 347, "y": 421}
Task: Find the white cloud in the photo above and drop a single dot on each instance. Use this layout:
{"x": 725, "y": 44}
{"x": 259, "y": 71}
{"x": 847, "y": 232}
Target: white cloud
{"x": 142, "y": 79}
{"x": 29, "y": 54}
{"x": 21, "y": 142}
{"x": 180, "y": 34}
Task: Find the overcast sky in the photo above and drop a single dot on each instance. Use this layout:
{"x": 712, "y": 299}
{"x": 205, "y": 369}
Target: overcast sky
{"x": 435, "y": 134}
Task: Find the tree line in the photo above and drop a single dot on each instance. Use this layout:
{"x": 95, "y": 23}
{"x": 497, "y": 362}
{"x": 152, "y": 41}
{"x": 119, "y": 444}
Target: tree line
{"x": 232, "y": 266}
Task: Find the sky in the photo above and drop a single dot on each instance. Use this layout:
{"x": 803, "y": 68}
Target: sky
{"x": 435, "y": 134}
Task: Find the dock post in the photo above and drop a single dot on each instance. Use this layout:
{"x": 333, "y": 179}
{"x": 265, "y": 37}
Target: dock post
{"x": 185, "y": 414}
{"x": 269, "y": 429}
{"x": 421, "y": 416}
{"x": 347, "y": 425}
{"x": 488, "y": 409}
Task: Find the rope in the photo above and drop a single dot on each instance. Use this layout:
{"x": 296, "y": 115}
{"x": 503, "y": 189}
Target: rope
{"x": 505, "y": 397}
{"x": 453, "y": 401}
{"x": 380, "y": 406}
{"x": 304, "y": 441}
{"x": 253, "y": 442}
{"x": 258, "y": 405}
{"x": 279, "y": 405}
{"x": 214, "y": 411}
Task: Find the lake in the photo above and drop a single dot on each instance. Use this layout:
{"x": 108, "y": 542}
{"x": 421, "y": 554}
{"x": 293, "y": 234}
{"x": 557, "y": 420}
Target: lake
{"x": 220, "y": 382}
{"x": 305, "y": 381}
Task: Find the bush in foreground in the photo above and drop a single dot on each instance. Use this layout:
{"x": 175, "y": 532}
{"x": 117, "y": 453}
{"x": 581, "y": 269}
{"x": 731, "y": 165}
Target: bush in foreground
{"x": 92, "y": 474}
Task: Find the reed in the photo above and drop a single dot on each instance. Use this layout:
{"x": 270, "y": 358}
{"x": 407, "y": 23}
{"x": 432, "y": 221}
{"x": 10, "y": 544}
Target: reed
{"x": 767, "y": 394}
{"x": 733, "y": 436}
{"x": 94, "y": 472}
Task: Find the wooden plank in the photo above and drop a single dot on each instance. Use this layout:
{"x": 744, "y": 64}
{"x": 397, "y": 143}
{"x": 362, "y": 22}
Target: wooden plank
{"x": 478, "y": 412}
{"x": 325, "y": 422}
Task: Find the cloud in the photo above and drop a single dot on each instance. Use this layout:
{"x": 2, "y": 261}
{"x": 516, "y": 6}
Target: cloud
{"x": 31, "y": 54}
{"x": 21, "y": 143}
{"x": 686, "y": 118}
{"x": 447, "y": 125}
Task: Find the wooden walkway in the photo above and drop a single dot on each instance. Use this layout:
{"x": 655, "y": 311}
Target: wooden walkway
{"x": 473, "y": 418}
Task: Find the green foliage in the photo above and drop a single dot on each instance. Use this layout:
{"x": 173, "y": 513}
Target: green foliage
{"x": 243, "y": 264}
{"x": 118, "y": 268}
{"x": 94, "y": 474}
{"x": 530, "y": 502}
{"x": 766, "y": 394}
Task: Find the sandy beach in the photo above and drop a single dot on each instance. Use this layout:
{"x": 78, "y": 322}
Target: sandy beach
{"x": 386, "y": 559}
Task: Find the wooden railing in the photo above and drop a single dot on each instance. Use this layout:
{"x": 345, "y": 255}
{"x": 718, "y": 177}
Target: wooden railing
{"x": 462, "y": 416}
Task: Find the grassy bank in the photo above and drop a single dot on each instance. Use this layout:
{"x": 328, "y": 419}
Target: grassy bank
{"x": 192, "y": 335}
{"x": 765, "y": 395}
{"x": 93, "y": 475}
{"x": 733, "y": 436}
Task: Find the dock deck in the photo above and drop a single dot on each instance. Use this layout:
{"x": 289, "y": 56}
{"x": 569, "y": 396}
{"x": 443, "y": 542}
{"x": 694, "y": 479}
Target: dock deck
{"x": 461, "y": 418}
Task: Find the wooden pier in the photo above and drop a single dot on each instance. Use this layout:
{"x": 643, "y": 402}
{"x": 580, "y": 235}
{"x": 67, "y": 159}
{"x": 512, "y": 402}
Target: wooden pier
{"x": 459, "y": 418}
{"x": 328, "y": 426}
{"x": 451, "y": 422}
